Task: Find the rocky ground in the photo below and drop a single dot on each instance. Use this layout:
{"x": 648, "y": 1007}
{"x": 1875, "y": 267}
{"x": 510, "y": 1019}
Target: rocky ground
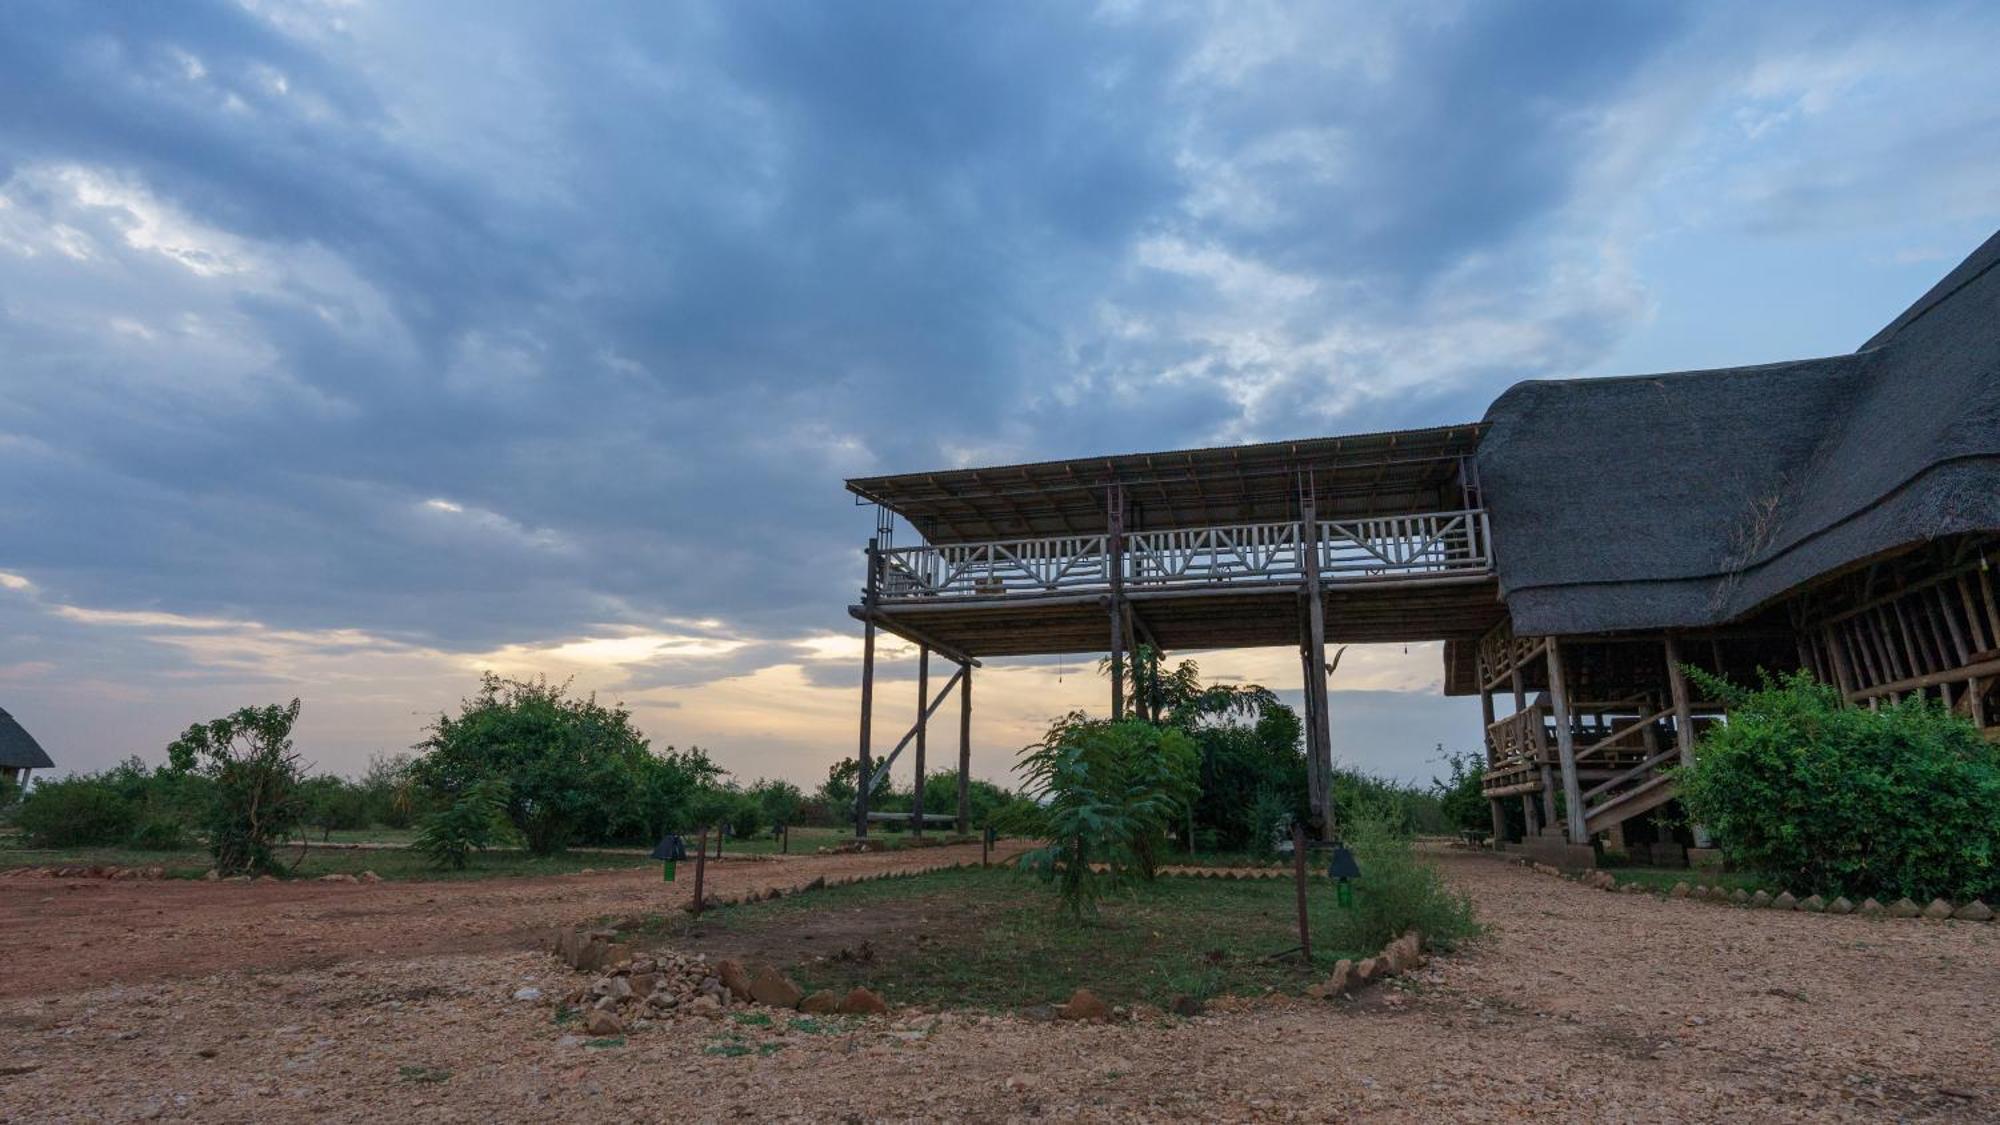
{"x": 360, "y": 1003}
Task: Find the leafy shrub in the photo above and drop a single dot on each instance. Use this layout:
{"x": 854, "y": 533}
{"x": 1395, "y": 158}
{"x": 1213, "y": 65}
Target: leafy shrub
{"x": 82, "y": 811}
{"x": 1461, "y": 796}
{"x": 573, "y": 770}
{"x": 1398, "y": 890}
{"x": 253, "y": 772}
{"x": 1844, "y": 800}
{"x": 1110, "y": 792}
{"x": 780, "y": 800}
{"x": 745, "y": 816}
{"x": 475, "y": 821}
{"x": 160, "y": 834}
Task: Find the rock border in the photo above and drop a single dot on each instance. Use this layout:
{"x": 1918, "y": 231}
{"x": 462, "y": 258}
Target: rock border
{"x": 1938, "y": 910}
{"x": 1399, "y": 957}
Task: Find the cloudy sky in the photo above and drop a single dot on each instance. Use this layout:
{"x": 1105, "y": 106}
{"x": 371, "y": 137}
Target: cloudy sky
{"x": 350, "y": 348}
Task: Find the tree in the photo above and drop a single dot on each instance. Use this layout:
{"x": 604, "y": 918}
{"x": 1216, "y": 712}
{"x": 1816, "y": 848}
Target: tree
{"x": 254, "y": 775}
{"x": 1462, "y": 795}
{"x": 780, "y": 800}
{"x": 333, "y": 803}
{"x": 1110, "y": 791}
{"x": 474, "y": 822}
{"x": 570, "y": 767}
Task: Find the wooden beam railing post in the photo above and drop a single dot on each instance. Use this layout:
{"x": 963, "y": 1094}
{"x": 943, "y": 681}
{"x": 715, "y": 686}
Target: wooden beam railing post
{"x": 1566, "y": 745}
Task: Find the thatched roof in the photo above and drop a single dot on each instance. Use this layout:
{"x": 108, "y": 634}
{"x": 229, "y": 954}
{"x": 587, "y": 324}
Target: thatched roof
{"x": 18, "y": 748}
{"x": 1690, "y": 499}
{"x": 1353, "y": 475}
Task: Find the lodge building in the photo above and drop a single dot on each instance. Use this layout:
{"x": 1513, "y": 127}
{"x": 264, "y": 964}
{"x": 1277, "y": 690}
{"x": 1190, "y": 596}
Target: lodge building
{"x": 1574, "y": 551}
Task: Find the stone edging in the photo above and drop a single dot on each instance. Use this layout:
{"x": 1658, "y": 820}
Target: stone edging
{"x": 1349, "y": 977}
{"x": 1939, "y": 910}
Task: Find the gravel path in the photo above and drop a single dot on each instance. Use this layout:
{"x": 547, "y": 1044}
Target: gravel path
{"x": 1579, "y": 1005}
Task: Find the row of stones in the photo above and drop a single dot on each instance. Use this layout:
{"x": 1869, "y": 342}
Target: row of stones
{"x": 1938, "y": 909}
{"x": 1401, "y": 956}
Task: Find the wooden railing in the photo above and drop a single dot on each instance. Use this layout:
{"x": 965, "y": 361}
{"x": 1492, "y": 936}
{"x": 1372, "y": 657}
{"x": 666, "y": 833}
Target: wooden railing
{"x": 1390, "y": 549}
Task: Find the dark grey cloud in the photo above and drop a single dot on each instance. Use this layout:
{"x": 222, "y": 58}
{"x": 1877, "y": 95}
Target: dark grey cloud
{"x": 483, "y": 324}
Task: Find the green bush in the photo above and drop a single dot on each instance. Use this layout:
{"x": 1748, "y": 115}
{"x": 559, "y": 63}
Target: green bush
{"x": 780, "y": 800}
{"x": 253, "y": 780}
{"x": 745, "y": 817}
{"x": 1904, "y": 801}
{"x": 475, "y": 821}
{"x": 1397, "y": 890}
{"x": 1461, "y": 796}
{"x": 82, "y": 811}
{"x": 574, "y": 770}
{"x": 1110, "y": 793}
{"x": 160, "y": 834}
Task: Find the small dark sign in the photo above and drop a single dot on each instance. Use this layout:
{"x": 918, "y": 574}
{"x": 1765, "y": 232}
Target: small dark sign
{"x": 1342, "y": 865}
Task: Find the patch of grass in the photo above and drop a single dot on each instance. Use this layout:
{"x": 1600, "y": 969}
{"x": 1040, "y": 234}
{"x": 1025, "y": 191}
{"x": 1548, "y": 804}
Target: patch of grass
{"x": 966, "y": 937}
{"x": 566, "y": 1015}
{"x": 815, "y": 1025}
{"x": 727, "y": 1050}
{"x": 423, "y": 1073}
{"x": 607, "y": 1041}
{"x": 389, "y": 863}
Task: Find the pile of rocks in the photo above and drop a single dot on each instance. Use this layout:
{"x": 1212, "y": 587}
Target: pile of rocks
{"x": 631, "y": 988}
{"x": 1403, "y": 955}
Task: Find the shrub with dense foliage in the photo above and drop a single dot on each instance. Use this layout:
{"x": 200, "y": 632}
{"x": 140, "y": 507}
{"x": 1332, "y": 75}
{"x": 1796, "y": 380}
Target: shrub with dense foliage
{"x": 1398, "y": 890}
{"x": 253, "y": 776}
{"x": 475, "y": 821}
{"x": 1904, "y": 801}
{"x": 76, "y": 812}
{"x": 1461, "y": 795}
{"x": 573, "y": 769}
{"x": 1110, "y": 794}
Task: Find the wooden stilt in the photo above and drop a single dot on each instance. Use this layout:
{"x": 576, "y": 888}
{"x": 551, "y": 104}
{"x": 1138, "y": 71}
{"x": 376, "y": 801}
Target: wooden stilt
{"x": 1565, "y": 745}
{"x": 1319, "y": 742}
{"x": 866, "y": 772}
{"x": 923, "y": 732}
{"x": 1684, "y": 716}
{"x": 965, "y": 751}
{"x": 1115, "y": 544}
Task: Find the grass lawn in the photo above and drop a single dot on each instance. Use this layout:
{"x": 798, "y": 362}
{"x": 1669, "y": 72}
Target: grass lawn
{"x": 965, "y": 937}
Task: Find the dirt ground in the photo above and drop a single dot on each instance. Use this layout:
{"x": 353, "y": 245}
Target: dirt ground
{"x": 239, "y": 1003}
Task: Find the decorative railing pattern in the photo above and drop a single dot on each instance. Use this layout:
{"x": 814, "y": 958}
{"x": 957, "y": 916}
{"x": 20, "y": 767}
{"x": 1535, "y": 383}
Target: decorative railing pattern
{"x": 1395, "y": 548}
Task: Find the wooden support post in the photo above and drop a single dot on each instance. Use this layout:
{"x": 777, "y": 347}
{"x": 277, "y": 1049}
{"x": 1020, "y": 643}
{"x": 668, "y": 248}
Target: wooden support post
{"x": 965, "y": 751}
{"x": 1114, "y": 543}
{"x": 1299, "y": 886}
{"x": 1486, "y": 738}
{"x": 923, "y": 731}
{"x": 1529, "y": 821}
{"x": 1684, "y": 717}
{"x": 1566, "y": 745}
{"x": 1319, "y": 740}
{"x": 700, "y": 871}
{"x": 867, "y": 772}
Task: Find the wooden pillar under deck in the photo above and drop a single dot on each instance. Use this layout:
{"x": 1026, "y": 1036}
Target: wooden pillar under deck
{"x": 1566, "y": 745}
{"x": 862, "y": 775}
{"x": 965, "y": 751}
{"x": 1684, "y": 717}
{"x": 1486, "y": 740}
{"x": 1114, "y": 543}
{"x": 1319, "y": 728}
{"x": 923, "y": 730}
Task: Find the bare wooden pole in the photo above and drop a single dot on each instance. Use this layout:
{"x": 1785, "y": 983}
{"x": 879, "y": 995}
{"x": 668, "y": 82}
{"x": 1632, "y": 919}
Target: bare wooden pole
{"x": 1565, "y": 744}
{"x": 1299, "y": 889}
{"x": 923, "y": 731}
{"x": 965, "y": 750}
{"x": 700, "y": 871}
{"x": 866, "y": 774}
{"x": 1115, "y": 547}
{"x": 1320, "y": 743}
{"x": 1684, "y": 717}
{"x": 1486, "y": 739}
